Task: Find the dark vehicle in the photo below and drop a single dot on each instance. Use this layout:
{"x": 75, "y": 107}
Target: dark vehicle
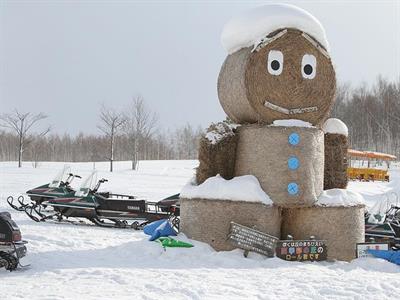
{"x": 104, "y": 208}
{"x": 384, "y": 224}
{"x": 58, "y": 187}
{"x": 12, "y": 247}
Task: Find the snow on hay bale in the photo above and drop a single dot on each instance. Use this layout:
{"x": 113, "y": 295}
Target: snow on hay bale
{"x": 335, "y": 126}
{"x": 217, "y": 151}
{"x": 243, "y": 188}
{"x": 339, "y": 197}
{"x": 281, "y": 157}
{"x": 250, "y": 27}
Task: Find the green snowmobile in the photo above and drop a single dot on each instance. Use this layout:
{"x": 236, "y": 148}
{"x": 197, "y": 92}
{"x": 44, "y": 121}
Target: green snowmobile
{"x": 58, "y": 187}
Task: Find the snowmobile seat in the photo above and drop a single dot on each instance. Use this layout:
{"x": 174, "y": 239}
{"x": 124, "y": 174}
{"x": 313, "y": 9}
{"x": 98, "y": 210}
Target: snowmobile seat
{"x": 121, "y": 205}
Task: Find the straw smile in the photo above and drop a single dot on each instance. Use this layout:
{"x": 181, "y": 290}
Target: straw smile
{"x": 290, "y": 111}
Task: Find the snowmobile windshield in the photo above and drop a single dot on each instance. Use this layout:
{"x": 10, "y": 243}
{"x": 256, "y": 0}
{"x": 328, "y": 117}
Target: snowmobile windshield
{"x": 88, "y": 184}
{"x": 381, "y": 210}
{"x": 61, "y": 176}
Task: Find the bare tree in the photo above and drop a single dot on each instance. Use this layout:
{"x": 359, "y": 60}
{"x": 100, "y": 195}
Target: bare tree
{"x": 21, "y": 124}
{"x": 139, "y": 127}
{"x": 111, "y": 123}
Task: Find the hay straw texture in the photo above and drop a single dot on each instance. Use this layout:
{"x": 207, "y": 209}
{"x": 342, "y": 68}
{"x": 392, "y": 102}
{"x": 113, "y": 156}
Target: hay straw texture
{"x": 216, "y": 158}
{"x": 264, "y": 151}
{"x": 209, "y": 220}
{"x": 244, "y": 83}
{"x": 335, "y": 176}
{"x": 341, "y": 227}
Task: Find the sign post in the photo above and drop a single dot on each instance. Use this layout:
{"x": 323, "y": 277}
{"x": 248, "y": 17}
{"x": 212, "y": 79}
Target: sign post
{"x": 249, "y": 239}
{"x": 301, "y": 250}
{"x": 363, "y": 247}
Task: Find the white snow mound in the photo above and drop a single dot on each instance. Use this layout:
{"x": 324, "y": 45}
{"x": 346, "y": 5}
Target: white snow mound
{"x": 241, "y": 188}
{"x": 251, "y": 27}
{"x": 337, "y": 126}
{"x": 291, "y": 123}
{"x": 339, "y": 197}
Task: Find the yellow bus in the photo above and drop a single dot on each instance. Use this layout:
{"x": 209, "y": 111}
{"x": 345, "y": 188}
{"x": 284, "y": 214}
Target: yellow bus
{"x": 368, "y": 166}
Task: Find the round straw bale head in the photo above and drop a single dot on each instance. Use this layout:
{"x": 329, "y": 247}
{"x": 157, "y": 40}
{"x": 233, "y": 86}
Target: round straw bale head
{"x": 342, "y": 227}
{"x": 208, "y": 220}
{"x": 250, "y": 92}
{"x": 287, "y": 161}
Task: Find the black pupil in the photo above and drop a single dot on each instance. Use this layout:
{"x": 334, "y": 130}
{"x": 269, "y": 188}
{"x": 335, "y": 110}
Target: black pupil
{"x": 308, "y": 69}
{"x": 275, "y": 65}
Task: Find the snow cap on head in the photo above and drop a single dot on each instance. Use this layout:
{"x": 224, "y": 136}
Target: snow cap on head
{"x": 249, "y": 28}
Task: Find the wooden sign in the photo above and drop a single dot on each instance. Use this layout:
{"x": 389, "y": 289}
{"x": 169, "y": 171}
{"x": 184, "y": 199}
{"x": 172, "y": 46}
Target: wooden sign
{"x": 361, "y": 248}
{"x": 301, "y": 250}
{"x": 249, "y": 239}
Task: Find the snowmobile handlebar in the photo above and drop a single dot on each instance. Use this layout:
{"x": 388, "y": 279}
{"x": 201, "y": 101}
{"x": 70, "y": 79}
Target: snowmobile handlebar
{"x": 96, "y": 188}
{"x": 74, "y": 176}
{"x": 69, "y": 180}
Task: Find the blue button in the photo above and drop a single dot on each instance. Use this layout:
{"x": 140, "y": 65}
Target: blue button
{"x": 293, "y": 163}
{"x": 294, "y": 139}
{"x": 293, "y": 188}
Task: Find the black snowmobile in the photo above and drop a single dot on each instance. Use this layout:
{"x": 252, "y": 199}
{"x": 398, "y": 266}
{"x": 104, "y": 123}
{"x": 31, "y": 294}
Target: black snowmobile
{"x": 12, "y": 247}
{"x": 104, "y": 208}
{"x": 58, "y": 187}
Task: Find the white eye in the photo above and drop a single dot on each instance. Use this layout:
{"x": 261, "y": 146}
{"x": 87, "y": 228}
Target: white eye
{"x": 275, "y": 62}
{"x": 308, "y": 66}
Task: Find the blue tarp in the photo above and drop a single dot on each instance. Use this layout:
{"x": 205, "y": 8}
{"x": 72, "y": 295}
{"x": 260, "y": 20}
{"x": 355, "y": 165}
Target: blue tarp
{"x": 158, "y": 229}
{"x": 389, "y": 255}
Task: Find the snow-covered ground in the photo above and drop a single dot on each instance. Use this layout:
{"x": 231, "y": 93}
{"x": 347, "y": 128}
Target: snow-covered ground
{"x": 87, "y": 262}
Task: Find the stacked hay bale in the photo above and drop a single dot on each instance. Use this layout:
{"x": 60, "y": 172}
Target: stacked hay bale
{"x": 337, "y": 217}
{"x": 208, "y": 209}
{"x": 342, "y": 227}
{"x": 217, "y": 152}
{"x": 208, "y": 220}
{"x": 336, "y": 146}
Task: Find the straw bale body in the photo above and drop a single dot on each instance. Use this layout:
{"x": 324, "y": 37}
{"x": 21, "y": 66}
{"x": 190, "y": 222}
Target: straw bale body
{"x": 342, "y": 227}
{"x": 266, "y": 151}
{"x": 208, "y": 220}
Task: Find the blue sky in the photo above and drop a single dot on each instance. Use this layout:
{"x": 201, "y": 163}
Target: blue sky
{"x": 65, "y": 58}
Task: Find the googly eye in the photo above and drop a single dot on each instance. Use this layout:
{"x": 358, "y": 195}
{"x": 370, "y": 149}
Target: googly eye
{"x": 308, "y": 66}
{"x": 275, "y": 62}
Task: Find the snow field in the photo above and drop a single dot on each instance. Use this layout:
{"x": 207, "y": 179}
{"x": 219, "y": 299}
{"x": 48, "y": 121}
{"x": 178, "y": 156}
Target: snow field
{"x": 88, "y": 262}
